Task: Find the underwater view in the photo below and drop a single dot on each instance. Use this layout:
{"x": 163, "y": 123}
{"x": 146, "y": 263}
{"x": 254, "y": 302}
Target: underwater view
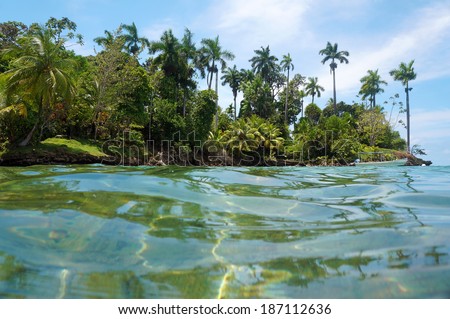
{"x": 98, "y": 231}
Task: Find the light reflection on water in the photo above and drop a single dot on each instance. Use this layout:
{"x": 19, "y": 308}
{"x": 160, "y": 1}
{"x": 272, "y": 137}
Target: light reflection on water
{"x": 173, "y": 232}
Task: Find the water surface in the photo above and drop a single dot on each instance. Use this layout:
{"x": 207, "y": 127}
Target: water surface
{"x": 174, "y": 232}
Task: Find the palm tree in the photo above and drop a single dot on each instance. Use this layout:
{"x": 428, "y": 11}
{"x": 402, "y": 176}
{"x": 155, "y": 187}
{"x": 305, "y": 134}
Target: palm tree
{"x": 213, "y": 56}
{"x": 42, "y": 72}
{"x": 241, "y": 137}
{"x": 168, "y": 48}
{"x": 188, "y": 54}
{"x": 404, "y": 74}
{"x": 188, "y": 48}
{"x": 371, "y": 86}
{"x": 331, "y": 53}
{"x": 301, "y": 96}
{"x": 271, "y": 137}
{"x": 134, "y": 44}
{"x": 232, "y": 77}
{"x": 286, "y": 64}
{"x": 264, "y": 63}
{"x": 246, "y": 75}
{"x": 312, "y": 88}
{"x": 105, "y": 41}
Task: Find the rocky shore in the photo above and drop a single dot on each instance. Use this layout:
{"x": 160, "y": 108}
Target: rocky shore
{"x": 64, "y": 156}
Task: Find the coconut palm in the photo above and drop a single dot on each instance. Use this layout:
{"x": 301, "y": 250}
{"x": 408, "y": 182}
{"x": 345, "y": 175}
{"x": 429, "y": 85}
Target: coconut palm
{"x": 264, "y": 63}
{"x": 168, "y": 48}
{"x": 105, "y": 41}
{"x": 286, "y": 64}
{"x": 213, "y": 57}
{"x": 188, "y": 54}
{"x": 232, "y": 77}
{"x": 331, "y": 53}
{"x": 371, "y": 86}
{"x": 188, "y": 46}
{"x": 271, "y": 137}
{"x": 134, "y": 44}
{"x": 246, "y": 75}
{"x": 404, "y": 74}
{"x": 41, "y": 71}
{"x": 312, "y": 88}
{"x": 241, "y": 137}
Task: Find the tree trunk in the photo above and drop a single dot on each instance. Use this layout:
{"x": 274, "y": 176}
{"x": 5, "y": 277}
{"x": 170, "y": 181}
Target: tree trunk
{"x": 408, "y": 132}
{"x": 211, "y": 74}
{"x": 95, "y": 131}
{"x": 334, "y": 91}
{"x": 217, "y": 100}
{"x": 184, "y": 102}
{"x": 287, "y": 95}
{"x": 235, "y": 96}
{"x": 30, "y": 135}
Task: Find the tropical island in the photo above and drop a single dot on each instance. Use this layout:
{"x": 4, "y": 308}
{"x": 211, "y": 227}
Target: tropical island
{"x": 58, "y": 107}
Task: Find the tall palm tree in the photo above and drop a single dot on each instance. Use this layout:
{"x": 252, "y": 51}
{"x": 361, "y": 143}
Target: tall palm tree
{"x": 312, "y": 88}
{"x": 404, "y": 74}
{"x": 371, "y": 86}
{"x": 264, "y": 63}
{"x": 41, "y": 71}
{"x": 246, "y": 75}
{"x": 213, "y": 57}
{"x": 331, "y": 53}
{"x": 232, "y": 77}
{"x": 286, "y": 64}
{"x": 188, "y": 49}
{"x": 170, "y": 59}
{"x": 301, "y": 96}
{"x": 133, "y": 42}
{"x": 188, "y": 55}
{"x": 105, "y": 41}
{"x": 168, "y": 48}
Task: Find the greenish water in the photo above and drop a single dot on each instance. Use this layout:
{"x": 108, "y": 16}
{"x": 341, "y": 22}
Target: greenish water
{"x": 173, "y": 232}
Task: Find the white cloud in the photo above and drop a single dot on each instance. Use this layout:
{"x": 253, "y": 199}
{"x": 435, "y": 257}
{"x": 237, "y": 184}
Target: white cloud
{"x": 430, "y": 129}
{"x": 425, "y": 38}
{"x": 432, "y": 124}
{"x": 155, "y": 31}
{"x": 303, "y": 27}
{"x": 260, "y": 20}
{"x": 244, "y": 26}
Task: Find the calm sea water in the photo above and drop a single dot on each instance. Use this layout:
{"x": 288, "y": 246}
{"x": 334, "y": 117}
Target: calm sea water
{"x": 173, "y": 232}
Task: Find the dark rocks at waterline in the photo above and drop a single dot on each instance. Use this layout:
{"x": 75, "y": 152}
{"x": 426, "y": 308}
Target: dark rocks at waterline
{"x": 221, "y": 158}
{"x": 415, "y": 161}
{"x": 28, "y": 159}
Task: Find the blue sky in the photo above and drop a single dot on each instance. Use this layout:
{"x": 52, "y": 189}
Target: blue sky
{"x": 379, "y": 34}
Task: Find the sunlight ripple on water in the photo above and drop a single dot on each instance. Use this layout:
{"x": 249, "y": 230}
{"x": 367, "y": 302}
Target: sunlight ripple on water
{"x": 236, "y": 232}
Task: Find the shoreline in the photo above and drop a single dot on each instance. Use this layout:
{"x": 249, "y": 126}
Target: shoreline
{"x": 67, "y": 158}
{"x": 60, "y": 151}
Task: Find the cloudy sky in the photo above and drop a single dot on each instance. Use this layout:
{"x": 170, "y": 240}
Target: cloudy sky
{"x": 379, "y": 34}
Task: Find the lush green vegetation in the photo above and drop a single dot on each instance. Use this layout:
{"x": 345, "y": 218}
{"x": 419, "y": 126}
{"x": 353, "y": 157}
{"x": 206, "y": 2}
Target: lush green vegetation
{"x": 157, "y": 107}
{"x": 75, "y": 146}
